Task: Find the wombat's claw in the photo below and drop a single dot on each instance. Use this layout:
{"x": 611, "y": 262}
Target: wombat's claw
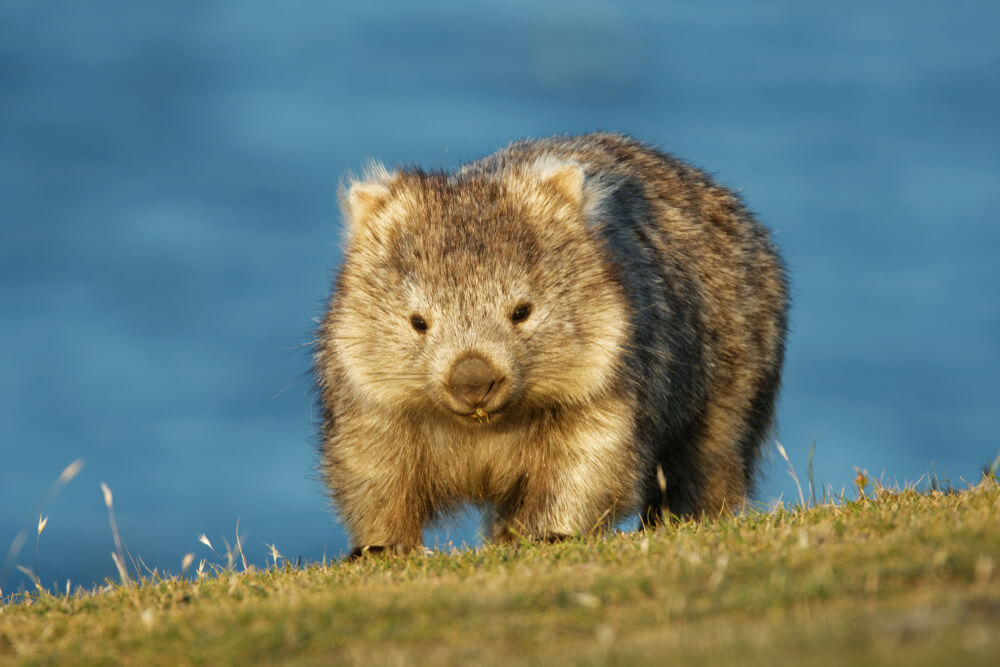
{"x": 359, "y": 552}
{"x": 379, "y": 550}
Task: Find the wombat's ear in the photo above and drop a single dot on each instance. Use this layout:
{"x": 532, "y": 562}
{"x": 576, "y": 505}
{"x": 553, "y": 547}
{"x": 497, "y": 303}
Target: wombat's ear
{"x": 360, "y": 198}
{"x": 565, "y": 176}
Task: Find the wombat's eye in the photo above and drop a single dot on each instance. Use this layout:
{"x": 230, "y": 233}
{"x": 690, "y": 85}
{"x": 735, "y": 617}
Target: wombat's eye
{"x": 520, "y": 313}
{"x": 418, "y": 323}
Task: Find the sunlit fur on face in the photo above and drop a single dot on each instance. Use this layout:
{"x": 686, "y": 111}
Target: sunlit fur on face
{"x": 463, "y": 254}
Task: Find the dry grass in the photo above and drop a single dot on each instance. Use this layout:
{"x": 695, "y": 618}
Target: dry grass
{"x": 893, "y": 577}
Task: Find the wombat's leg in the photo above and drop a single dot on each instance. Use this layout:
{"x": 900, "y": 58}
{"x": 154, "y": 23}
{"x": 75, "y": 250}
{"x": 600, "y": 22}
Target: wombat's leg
{"x": 382, "y": 516}
{"x": 725, "y": 478}
{"x": 545, "y": 512}
{"x": 582, "y": 484}
{"x": 378, "y": 491}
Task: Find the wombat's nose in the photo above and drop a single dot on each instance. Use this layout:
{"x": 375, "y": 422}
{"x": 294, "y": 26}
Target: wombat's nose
{"x": 471, "y": 381}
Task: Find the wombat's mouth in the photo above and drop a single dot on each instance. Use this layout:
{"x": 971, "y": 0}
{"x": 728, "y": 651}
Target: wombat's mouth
{"x": 479, "y": 417}
{"x": 482, "y": 417}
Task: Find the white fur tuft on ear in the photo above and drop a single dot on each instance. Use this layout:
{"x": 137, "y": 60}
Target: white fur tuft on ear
{"x": 359, "y": 198}
{"x": 566, "y": 176}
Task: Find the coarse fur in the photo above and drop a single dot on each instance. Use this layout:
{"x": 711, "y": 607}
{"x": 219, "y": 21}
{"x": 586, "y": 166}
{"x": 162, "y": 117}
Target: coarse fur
{"x": 564, "y": 333}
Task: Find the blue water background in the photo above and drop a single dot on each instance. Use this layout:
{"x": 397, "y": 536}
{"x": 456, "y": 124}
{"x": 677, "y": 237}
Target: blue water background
{"x": 168, "y": 228}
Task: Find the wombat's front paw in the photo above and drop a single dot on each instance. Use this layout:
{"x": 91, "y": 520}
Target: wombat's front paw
{"x": 370, "y": 550}
{"x": 509, "y": 533}
{"x": 384, "y": 550}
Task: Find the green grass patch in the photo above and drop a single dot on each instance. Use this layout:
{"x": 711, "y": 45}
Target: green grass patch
{"x": 892, "y": 578}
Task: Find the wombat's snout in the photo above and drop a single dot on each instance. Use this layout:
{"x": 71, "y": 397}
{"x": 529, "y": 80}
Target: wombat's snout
{"x": 474, "y": 383}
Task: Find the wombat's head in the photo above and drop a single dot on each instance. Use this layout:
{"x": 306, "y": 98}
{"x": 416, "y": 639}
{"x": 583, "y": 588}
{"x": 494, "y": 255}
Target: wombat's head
{"x": 477, "y": 295}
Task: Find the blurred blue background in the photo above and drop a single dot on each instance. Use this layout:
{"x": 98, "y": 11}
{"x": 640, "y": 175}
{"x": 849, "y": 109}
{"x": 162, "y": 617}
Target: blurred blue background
{"x": 169, "y": 227}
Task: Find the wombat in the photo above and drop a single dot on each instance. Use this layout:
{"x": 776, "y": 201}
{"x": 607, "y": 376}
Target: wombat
{"x": 564, "y": 333}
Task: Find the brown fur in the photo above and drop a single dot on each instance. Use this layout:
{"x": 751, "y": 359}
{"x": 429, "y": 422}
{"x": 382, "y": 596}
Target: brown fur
{"x": 655, "y": 339}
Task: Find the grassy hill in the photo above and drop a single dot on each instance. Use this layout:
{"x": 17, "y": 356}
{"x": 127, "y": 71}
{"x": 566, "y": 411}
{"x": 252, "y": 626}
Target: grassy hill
{"x": 895, "y": 577}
